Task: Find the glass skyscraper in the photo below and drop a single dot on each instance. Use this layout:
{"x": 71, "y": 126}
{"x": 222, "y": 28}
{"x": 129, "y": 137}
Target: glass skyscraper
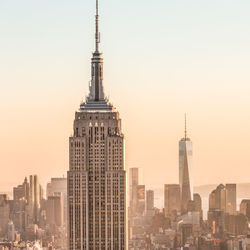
{"x": 185, "y": 170}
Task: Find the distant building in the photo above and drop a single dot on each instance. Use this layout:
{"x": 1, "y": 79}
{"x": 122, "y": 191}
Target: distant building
{"x": 217, "y": 199}
{"x": 19, "y": 214}
{"x": 133, "y": 191}
{"x": 21, "y": 192}
{"x": 192, "y": 218}
{"x": 141, "y": 201}
{"x": 54, "y": 210}
{"x": 11, "y": 231}
{"x": 35, "y": 196}
{"x": 58, "y": 185}
{"x": 236, "y": 224}
{"x": 150, "y": 202}
{"x": 185, "y": 170}
{"x": 4, "y": 214}
{"x": 172, "y": 201}
{"x": 25, "y": 208}
{"x": 223, "y": 198}
{"x": 198, "y": 204}
{"x": 186, "y": 232}
{"x": 245, "y": 208}
{"x": 216, "y": 222}
{"x": 231, "y": 199}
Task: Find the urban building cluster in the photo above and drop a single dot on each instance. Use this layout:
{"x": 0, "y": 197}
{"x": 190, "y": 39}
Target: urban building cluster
{"x": 31, "y": 221}
{"x": 181, "y": 224}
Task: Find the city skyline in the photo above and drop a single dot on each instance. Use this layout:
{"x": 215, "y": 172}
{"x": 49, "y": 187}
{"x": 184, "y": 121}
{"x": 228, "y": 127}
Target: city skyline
{"x": 212, "y": 93}
{"x": 104, "y": 202}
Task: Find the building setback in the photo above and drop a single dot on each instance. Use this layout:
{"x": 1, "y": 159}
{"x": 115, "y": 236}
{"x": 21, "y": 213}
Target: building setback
{"x": 96, "y": 176}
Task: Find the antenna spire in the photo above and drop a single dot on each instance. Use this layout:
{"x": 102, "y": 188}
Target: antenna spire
{"x": 185, "y": 126}
{"x": 97, "y": 34}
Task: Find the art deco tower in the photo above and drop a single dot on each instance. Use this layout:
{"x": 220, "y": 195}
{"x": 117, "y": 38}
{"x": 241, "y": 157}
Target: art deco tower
{"x": 185, "y": 170}
{"x": 96, "y": 176}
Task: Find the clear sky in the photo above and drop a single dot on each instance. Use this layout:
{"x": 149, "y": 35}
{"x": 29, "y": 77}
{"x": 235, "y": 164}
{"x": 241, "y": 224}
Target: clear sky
{"x": 162, "y": 58}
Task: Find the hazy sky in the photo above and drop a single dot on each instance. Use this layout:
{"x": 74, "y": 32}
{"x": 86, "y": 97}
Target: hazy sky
{"x": 161, "y": 59}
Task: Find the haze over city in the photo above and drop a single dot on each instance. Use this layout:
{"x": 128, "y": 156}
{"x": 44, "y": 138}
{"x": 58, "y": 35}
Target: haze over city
{"x": 162, "y": 59}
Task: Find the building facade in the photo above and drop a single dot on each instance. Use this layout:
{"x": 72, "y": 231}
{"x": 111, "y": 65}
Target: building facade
{"x": 172, "y": 201}
{"x": 150, "y": 200}
{"x": 58, "y": 185}
{"x": 35, "y": 196}
{"x": 231, "y": 199}
{"x": 133, "y": 189}
{"x": 4, "y": 214}
{"x": 54, "y": 210}
{"x": 96, "y": 176}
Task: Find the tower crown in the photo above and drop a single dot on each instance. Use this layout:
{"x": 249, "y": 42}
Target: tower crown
{"x": 96, "y": 100}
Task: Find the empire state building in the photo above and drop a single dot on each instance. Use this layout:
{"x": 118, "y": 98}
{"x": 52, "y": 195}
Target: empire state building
{"x": 96, "y": 176}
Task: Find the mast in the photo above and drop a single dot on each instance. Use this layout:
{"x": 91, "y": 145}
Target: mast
{"x": 185, "y": 127}
{"x": 97, "y": 34}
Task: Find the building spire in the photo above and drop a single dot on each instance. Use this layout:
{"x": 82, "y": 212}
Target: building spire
{"x": 185, "y": 126}
{"x": 96, "y": 100}
{"x": 97, "y": 34}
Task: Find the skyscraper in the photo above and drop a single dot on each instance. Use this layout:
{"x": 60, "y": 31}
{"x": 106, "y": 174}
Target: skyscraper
{"x": 172, "y": 204}
{"x": 223, "y": 198}
{"x": 21, "y": 191}
{"x": 198, "y": 204}
{"x": 141, "y": 201}
{"x": 231, "y": 198}
{"x": 58, "y": 185}
{"x": 54, "y": 209}
{"x": 133, "y": 183}
{"x": 4, "y": 214}
{"x": 34, "y": 199}
{"x": 96, "y": 176}
{"x": 185, "y": 169}
{"x": 150, "y": 200}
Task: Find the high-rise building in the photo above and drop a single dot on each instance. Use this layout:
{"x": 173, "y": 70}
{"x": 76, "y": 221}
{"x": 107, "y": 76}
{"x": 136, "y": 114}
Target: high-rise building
{"x": 4, "y": 214}
{"x": 96, "y": 176}
{"x": 231, "y": 199}
{"x": 58, "y": 185}
{"x": 217, "y": 199}
{"x": 216, "y": 222}
{"x": 223, "y": 198}
{"x": 54, "y": 209}
{"x": 19, "y": 213}
{"x": 185, "y": 170}
{"x": 21, "y": 192}
{"x": 141, "y": 201}
{"x": 133, "y": 183}
{"x": 149, "y": 200}
{"x": 198, "y": 204}
{"x": 35, "y": 194}
{"x": 172, "y": 202}
{"x": 245, "y": 207}
{"x": 236, "y": 224}
{"x": 11, "y": 231}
